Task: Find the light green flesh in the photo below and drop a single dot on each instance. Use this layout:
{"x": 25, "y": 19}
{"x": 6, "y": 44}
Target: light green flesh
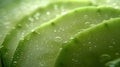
{"x": 41, "y": 47}
{"x": 94, "y": 47}
{"x": 29, "y": 23}
{"x": 111, "y": 3}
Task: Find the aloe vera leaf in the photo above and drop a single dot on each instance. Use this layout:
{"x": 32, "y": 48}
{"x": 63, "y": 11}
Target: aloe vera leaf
{"x": 11, "y": 11}
{"x": 41, "y": 47}
{"x": 29, "y": 23}
{"x": 111, "y": 3}
{"x": 113, "y": 63}
{"x": 92, "y": 48}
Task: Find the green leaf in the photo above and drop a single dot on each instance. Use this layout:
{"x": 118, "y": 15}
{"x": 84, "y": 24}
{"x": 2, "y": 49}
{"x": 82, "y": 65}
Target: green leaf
{"x": 94, "y": 47}
{"x": 41, "y": 47}
{"x": 110, "y": 3}
{"x": 11, "y": 11}
{"x": 114, "y": 63}
{"x": 30, "y": 22}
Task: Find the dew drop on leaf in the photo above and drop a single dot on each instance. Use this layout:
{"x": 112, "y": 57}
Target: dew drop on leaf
{"x": 55, "y": 31}
{"x": 48, "y": 13}
{"x": 31, "y": 19}
{"x": 55, "y": 7}
{"x": 105, "y": 57}
{"x": 117, "y": 53}
{"x": 91, "y": 25}
{"x": 63, "y": 12}
{"x": 14, "y": 62}
{"x": 37, "y": 15}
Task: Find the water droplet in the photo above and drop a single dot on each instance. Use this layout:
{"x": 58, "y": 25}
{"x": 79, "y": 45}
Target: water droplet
{"x": 117, "y": 53}
{"x": 14, "y": 62}
{"x": 85, "y": 16}
{"x": 117, "y": 7}
{"x": 114, "y": 4}
{"x": 57, "y": 38}
{"x": 87, "y": 22}
{"x": 65, "y": 42}
{"x": 90, "y": 48}
{"x": 17, "y": 57}
{"x": 37, "y": 47}
{"x": 113, "y": 42}
{"x": 22, "y": 38}
{"x": 37, "y": 15}
{"x": 89, "y": 42}
{"x": 13, "y": 27}
{"x": 110, "y": 46}
{"x": 41, "y": 64}
{"x": 105, "y": 57}
{"x": 63, "y": 12}
{"x": 108, "y": 1}
{"x": 61, "y": 29}
{"x": 55, "y": 31}
{"x": 22, "y": 35}
{"x": 95, "y": 46}
{"x": 48, "y": 13}
{"x": 61, "y": 49}
{"x": 74, "y": 60}
{"x": 91, "y": 25}
{"x": 55, "y": 7}
{"x": 71, "y": 38}
{"x": 32, "y": 30}
{"x": 7, "y": 23}
{"x": 111, "y": 65}
{"x": 31, "y": 19}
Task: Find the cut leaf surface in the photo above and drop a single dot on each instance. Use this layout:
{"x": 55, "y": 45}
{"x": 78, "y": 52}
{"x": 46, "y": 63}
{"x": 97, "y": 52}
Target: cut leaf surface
{"x": 94, "y": 47}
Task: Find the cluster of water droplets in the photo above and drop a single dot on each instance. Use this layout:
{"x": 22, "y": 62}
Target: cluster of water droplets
{"x": 36, "y": 16}
{"x": 90, "y": 45}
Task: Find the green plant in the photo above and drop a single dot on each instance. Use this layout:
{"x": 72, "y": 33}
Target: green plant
{"x": 33, "y": 33}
